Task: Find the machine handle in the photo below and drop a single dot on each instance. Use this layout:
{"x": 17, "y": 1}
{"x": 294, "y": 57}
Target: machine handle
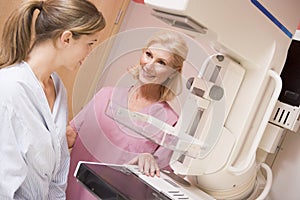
{"x": 251, "y": 156}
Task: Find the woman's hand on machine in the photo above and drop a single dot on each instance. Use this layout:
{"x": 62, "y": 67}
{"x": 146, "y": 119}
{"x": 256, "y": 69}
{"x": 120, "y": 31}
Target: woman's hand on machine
{"x": 146, "y": 163}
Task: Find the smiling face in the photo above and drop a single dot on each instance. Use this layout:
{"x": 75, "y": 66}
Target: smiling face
{"x": 78, "y": 49}
{"x": 156, "y": 65}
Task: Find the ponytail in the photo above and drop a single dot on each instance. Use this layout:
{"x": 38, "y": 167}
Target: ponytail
{"x": 81, "y": 17}
{"x": 16, "y": 36}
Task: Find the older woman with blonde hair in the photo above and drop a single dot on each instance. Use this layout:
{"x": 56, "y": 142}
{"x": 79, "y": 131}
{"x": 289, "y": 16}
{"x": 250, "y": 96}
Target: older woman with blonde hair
{"x": 102, "y": 139}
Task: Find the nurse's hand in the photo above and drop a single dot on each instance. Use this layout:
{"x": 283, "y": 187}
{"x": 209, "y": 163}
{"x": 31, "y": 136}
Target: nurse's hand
{"x": 71, "y": 136}
{"x": 146, "y": 163}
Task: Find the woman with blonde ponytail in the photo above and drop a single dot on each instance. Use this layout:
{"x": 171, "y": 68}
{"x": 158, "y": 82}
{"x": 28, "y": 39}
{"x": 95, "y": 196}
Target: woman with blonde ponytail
{"x": 38, "y": 38}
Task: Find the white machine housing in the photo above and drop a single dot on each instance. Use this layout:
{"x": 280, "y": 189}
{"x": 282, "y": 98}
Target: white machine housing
{"x": 252, "y": 37}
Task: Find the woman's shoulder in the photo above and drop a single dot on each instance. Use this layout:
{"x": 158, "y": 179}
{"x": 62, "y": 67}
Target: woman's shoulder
{"x": 104, "y": 91}
{"x": 169, "y": 108}
{"x": 14, "y": 80}
{"x": 111, "y": 90}
{"x": 13, "y": 72}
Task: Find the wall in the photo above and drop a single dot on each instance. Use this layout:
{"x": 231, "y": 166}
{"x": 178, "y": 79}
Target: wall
{"x": 5, "y": 10}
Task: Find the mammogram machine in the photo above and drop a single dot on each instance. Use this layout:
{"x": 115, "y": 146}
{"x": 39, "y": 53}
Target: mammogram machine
{"x": 232, "y": 117}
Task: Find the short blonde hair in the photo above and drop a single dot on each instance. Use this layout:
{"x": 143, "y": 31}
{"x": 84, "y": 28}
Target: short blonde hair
{"x": 176, "y": 45}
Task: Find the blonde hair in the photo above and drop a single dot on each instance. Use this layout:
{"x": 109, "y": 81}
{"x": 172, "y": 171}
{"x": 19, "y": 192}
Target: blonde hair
{"x": 176, "y": 45}
{"x": 80, "y": 17}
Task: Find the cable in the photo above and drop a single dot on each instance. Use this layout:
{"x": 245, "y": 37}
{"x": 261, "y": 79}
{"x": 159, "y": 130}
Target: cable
{"x": 269, "y": 180}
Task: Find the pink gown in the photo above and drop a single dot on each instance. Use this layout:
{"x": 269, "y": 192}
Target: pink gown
{"x": 101, "y": 139}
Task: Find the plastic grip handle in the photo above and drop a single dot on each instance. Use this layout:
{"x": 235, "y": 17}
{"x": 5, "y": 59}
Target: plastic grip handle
{"x": 251, "y": 156}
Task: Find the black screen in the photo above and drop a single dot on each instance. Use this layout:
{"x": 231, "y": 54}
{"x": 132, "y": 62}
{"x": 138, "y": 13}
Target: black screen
{"x": 290, "y": 76}
{"x": 115, "y": 183}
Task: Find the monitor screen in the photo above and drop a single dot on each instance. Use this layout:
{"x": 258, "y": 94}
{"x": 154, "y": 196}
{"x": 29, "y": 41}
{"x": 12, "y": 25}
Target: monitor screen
{"x": 115, "y": 182}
